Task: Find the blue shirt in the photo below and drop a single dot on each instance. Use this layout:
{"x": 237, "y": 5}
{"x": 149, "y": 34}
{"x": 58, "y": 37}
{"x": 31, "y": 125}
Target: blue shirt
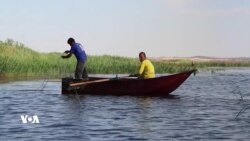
{"x": 78, "y": 50}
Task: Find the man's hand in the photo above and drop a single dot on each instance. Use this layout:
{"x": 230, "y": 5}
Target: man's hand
{"x": 134, "y": 75}
{"x": 63, "y": 57}
{"x": 67, "y": 51}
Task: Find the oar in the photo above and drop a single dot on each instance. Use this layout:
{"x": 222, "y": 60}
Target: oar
{"x": 96, "y": 81}
{"x": 88, "y": 82}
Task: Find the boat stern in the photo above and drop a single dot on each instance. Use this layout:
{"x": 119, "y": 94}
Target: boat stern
{"x": 65, "y": 84}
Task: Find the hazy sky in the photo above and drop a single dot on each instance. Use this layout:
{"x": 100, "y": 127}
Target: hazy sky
{"x": 219, "y": 28}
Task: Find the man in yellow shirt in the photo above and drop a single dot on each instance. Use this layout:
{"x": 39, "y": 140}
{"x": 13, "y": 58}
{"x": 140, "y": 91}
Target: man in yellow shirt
{"x": 147, "y": 69}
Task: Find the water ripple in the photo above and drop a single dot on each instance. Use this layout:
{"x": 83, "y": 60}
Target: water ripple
{"x": 203, "y": 108}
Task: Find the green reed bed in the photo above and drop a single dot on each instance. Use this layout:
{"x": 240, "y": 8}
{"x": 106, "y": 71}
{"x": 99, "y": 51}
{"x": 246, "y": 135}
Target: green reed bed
{"x": 16, "y": 59}
{"x": 172, "y": 67}
{"x": 120, "y": 65}
{"x": 112, "y": 64}
{"x": 230, "y": 63}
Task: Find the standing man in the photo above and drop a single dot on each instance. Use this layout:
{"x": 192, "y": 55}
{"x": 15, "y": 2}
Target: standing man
{"x": 147, "y": 69}
{"x": 79, "y": 52}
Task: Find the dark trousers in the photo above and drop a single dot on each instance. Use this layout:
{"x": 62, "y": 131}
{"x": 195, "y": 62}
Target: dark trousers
{"x": 81, "y": 71}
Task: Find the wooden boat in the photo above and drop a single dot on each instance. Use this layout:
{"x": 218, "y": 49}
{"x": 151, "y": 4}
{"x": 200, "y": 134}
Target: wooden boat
{"x": 159, "y": 86}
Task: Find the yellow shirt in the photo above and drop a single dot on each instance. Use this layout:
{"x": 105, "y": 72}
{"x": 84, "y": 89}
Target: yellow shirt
{"x": 147, "y": 69}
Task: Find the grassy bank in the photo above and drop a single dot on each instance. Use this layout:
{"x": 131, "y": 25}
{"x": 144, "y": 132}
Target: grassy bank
{"x": 16, "y": 59}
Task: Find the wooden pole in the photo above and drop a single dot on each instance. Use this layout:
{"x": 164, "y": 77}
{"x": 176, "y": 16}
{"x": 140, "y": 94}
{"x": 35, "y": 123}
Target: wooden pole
{"x": 88, "y": 82}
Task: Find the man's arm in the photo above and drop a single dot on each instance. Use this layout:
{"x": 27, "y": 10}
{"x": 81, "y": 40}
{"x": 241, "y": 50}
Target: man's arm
{"x": 69, "y": 54}
{"x": 142, "y": 68}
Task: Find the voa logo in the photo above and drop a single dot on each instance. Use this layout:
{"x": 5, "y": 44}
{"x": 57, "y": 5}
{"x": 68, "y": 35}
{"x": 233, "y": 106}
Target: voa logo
{"x": 30, "y": 119}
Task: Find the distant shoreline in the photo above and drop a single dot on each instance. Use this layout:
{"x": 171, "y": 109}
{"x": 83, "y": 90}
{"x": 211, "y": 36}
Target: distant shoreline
{"x": 202, "y": 58}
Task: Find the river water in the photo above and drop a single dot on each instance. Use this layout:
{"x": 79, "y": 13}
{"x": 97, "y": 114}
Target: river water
{"x": 203, "y": 108}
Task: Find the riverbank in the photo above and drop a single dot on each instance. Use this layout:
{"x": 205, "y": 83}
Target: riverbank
{"x": 17, "y": 59}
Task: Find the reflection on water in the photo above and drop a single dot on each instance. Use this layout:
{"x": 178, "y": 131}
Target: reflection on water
{"x": 203, "y": 108}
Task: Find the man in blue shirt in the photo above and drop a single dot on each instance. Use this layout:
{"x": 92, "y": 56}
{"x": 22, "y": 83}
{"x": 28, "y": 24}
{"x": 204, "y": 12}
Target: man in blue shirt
{"x": 79, "y": 52}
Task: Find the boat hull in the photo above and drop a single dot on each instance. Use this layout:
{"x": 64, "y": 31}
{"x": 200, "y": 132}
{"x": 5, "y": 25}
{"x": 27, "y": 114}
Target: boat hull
{"x": 160, "y": 86}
